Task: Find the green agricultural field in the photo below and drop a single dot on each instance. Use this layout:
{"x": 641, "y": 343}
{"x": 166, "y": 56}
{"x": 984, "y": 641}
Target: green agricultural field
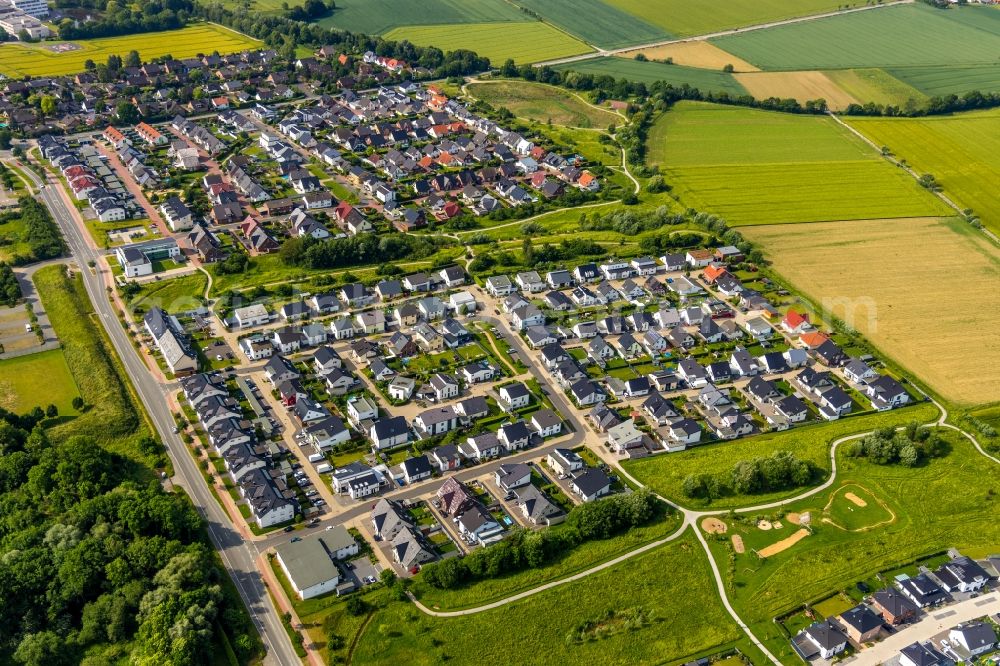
{"x": 905, "y": 35}
{"x": 665, "y": 473}
{"x": 543, "y": 103}
{"x": 36, "y": 60}
{"x": 37, "y": 380}
{"x": 651, "y": 72}
{"x": 762, "y": 167}
{"x": 949, "y": 502}
{"x": 949, "y": 80}
{"x": 672, "y": 585}
{"x": 375, "y": 17}
{"x": 962, "y": 151}
{"x": 876, "y": 85}
{"x": 684, "y": 18}
{"x": 597, "y": 22}
{"x": 525, "y": 42}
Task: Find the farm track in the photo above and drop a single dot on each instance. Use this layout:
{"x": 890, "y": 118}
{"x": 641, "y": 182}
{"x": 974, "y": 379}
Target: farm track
{"x": 712, "y": 35}
{"x": 692, "y": 518}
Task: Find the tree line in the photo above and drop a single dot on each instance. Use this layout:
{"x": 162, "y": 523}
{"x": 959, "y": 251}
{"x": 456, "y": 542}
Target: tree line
{"x": 120, "y": 18}
{"x": 98, "y": 563}
{"x": 524, "y": 549}
{"x": 782, "y": 470}
{"x": 909, "y": 447}
{"x": 10, "y": 289}
{"x": 41, "y": 233}
{"x": 363, "y": 249}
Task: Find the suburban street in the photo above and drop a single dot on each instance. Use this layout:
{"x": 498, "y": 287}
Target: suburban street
{"x": 239, "y": 556}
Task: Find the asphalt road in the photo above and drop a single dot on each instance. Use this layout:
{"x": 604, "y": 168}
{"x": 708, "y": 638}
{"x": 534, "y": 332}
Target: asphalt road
{"x": 237, "y": 556}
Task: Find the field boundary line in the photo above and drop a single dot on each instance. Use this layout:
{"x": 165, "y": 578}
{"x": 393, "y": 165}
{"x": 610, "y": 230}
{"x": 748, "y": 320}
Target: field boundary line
{"x": 910, "y": 170}
{"x": 721, "y": 33}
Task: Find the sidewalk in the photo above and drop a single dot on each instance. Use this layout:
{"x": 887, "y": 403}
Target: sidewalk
{"x": 285, "y": 606}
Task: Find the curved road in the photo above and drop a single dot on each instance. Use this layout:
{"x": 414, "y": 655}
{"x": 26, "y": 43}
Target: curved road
{"x": 237, "y": 555}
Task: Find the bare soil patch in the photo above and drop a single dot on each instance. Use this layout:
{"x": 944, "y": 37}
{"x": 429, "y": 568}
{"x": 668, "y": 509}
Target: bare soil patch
{"x": 793, "y": 518}
{"x": 738, "y": 544}
{"x": 698, "y": 53}
{"x": 714, "y": 526}
{"x": 857, "y": 501}
{"x": 784, "y": 544}
{"x": 801, "y": 86}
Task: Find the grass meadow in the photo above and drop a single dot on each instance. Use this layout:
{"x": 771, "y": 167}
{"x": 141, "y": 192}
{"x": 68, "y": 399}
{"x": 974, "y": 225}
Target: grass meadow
{"x": 525, "y": 42}
{"x": 651, "y": 72}
{"x": 376, "y": 17}
{"x": 18, "y": 59}
{"x": 905, "y": 35}
{"x": 597, "y": 22}
{"x": 543, "y": 103}
{"x": 37, "y": 380}
{"x": 949, "y": 502}
{"x": 683, "y": 18}
{"x": 762, "y": 167}
{"x": 174, "y": 295}
{"x": 962, "y": 151}
{"x": 922, "y": 290}
{"x": 950, "y": 79}
{"x": 672, "y": 584}
{"x": 875, "y": 85}
{"x": 665, "y": 473}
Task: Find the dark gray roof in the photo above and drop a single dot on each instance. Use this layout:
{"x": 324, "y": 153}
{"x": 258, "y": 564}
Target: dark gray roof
{"x": 417, "y": 466}
{"x": 591, "y": 481}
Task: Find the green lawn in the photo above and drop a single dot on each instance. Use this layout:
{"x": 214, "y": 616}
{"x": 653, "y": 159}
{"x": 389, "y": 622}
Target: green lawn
{"x": 651, "y": 72}
{"x": 524, "y": 42}
{"x": 18, "y": 59}
{"x": 597, "y": 22}
{"x": 542, "y": 103}
{"x": 173, "y": 295}
{"x": 949, "y": 502}
{"x": 580, "y": 558}
{"x": 11, "y": 244}
{"x": 665, "y": 473}
{"x": 907, "y": 35}
{"x": 962, "y": 151}
{"x": 375, "y": 17}
{"x": 764, "y": 167}
{"x": 671, "y": 584}
{"x": 684, "y": 18}
{"x": 37, "y": 380}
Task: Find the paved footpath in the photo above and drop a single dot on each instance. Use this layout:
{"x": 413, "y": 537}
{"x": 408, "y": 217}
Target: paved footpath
{"x": 932, "y": 624}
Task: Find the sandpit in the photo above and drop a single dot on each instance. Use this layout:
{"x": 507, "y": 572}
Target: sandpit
{"x": 857, "y": 501}
{"x": 738, "y": 544}
{"x": 778, "y": 525}
{"x": 714, "y": 526}
{"x": 784, "y": 544}
{"x": 764, "y": 525}
{"x": 793, "y": 518}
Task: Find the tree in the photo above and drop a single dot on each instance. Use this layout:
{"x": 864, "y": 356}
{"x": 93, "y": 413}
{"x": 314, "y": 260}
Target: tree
{"x": 133, "y": 59}
{"x": 126, "y": 113}
{"x": 45, "y": 648}
{"x": 51, "y": 411}
{"x": 77, "y": 403}
{"x": 5, "y": 138}
{"x": 356, "y": 605}
{"x": 48, "y": 105}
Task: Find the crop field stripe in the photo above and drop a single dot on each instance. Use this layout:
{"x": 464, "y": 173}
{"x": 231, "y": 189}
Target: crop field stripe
{"x": 375, "y": 17}
{"x": 524, "y": 42}
{"x": 922, "y": 290}
{"x": 20, "y": 60}
{"x": 597, "y": 22}
{"x": 695, "y": 53}
{"x": 651, "y": 72}
{"x": 876, "y": 85}
{"x": 904, "y": 35}
{"x": 950, "y": 79}
{"x": 685, "y": 18}
{"x": 961, "y": 151}
{"x": 801, "y": 86}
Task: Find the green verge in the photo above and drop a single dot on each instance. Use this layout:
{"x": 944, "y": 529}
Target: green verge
{"x": 584, "y": 556}
{"x": 665, "y": 473}
{"x": 671, "y": 585}
{"x": 949, "y": 502}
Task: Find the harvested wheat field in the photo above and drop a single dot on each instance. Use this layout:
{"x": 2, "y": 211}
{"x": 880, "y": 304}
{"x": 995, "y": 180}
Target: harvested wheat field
{"x": 784, "y": 544}
{"x": 924, "y": 290}
{"x": 802, "y": 86}
{"x": 697, "y": 53}
{"x": 714, "y": 526}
